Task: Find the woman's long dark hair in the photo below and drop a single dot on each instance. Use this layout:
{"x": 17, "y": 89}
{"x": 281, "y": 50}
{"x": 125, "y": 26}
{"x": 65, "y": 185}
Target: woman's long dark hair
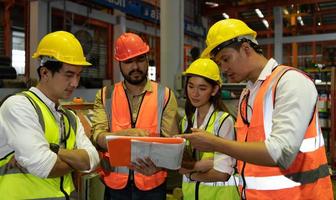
{"x": 215, "y": 100}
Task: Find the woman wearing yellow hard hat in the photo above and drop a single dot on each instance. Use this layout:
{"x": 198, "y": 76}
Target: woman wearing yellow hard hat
{"x": 207, "y": 175}
{"x": 280, "y": 148}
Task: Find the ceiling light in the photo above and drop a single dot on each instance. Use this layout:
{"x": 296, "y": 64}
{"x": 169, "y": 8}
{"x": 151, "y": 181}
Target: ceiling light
{"x": 265, "y": 22}
{"x": 226, "y": 16}
{"x": 259, "y": 13}
{"x": 211, "y": 4}
{"x": 300, "y": 20}
{"x": 285, "y": 11}
{"x": 319, "y": 23}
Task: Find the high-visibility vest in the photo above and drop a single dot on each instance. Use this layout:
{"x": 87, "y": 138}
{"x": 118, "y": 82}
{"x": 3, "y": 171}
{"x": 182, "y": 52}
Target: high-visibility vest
{"x": 120, "y": 117}
{"x": 210, "y": 190}
{"x": 18, "y": 184}
{"x": 306, "y": 178}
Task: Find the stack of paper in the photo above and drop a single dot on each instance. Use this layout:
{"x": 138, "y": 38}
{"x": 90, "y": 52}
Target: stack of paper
{"x": 164, "y": 152}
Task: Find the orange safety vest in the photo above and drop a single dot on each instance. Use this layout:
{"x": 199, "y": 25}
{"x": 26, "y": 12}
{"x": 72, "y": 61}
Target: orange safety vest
{"x": 149, "y": 118}
{"x": 306, "y": 178}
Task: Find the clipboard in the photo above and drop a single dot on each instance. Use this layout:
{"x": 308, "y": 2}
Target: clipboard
{"x": 120, "y": 147}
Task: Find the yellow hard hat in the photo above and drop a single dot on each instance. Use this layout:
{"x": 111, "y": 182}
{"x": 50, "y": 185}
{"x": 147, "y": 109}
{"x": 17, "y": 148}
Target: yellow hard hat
{"x": 204, "y": 67}
{"x": 226, "y": 30}
{"x": 62, "y": 46}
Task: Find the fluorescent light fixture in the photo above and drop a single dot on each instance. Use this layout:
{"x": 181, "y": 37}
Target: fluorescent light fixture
{"x": 265, "y": 22}
{"x": 300, "y": 20}
{"x": 211, "y": 4}
{"x": 259, "y": 13}
{"x": 226, "y": 16}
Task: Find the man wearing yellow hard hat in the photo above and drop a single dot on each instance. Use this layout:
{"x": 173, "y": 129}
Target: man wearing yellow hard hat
{"x": 41, "y": 142}
{"x": 280, "y": 147}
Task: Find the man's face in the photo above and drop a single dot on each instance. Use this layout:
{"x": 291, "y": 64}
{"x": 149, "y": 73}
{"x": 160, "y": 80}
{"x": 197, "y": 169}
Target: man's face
{"x": 62, "y": 84}
{"x": 135, "y": 70}
{"x": 233, "y": 63}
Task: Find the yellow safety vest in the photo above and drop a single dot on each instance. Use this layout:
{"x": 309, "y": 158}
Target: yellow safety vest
{"x": 210, "y": 190}
{"x": 17, "y": 184}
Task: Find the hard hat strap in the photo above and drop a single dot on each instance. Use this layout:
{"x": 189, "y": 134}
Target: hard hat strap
{"x": 253, "y": 43}
{"x": 221, "y": 46}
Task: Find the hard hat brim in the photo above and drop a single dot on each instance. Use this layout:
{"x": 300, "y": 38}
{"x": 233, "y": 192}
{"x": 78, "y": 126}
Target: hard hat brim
{"x": 132, "y": 56}
{"x": 83, "y": 63}
{"x": 220, "y": 81}
{"x": 206, "y": 52}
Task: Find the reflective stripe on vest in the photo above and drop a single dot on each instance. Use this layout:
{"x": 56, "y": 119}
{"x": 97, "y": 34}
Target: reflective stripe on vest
{"x": 233, "y": 181}
{"x": 310, "y": 164}
{"x": 210, "y": 190}
{"x": 289, "y": 181}
{"x": 18, "y": 184}
{"x": 118, "y": 112}
{"x": 312, "y": 144}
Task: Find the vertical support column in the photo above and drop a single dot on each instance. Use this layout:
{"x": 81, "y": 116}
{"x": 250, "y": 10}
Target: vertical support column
{"x": 7, "y": 28}
{"x": 38, "y": 28}
{"x": 314, "y": 58}
{"x": 294, "y": 54}
{"x": 278, "y": 32}
{"x": 118, "y": 29}
{"x": 110, "y": 48}
{"x": 332, "y": 135}
{"x": 172, "y": 39}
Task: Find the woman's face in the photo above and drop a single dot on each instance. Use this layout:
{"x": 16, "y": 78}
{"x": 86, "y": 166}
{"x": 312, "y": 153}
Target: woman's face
{"x": 199, "y": 91}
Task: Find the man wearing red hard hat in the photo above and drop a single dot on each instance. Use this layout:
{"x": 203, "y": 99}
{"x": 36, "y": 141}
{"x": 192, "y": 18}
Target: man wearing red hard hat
{"x": 135, "y": 106}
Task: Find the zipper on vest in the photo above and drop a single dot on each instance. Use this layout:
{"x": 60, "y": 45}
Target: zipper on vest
{"x": 131, "y": 175}
{"x": 197, "y": 190}
{"x": 66, "y": 195}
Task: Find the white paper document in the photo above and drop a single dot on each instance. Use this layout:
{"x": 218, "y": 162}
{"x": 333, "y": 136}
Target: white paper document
{"x": 163, "y": 155}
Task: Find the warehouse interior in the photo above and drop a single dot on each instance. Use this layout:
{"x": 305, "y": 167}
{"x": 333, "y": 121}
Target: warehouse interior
{"x": 298, "y": 33}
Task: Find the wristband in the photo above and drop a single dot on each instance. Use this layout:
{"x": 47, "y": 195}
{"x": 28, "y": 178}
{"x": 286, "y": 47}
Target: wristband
{"x": 54, "y": 147}
{"x": 190, "y": 174}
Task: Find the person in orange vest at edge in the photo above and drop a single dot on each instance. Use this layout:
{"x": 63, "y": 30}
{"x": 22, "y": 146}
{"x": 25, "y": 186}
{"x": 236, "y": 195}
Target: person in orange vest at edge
{"x": 135, "y": 106}
{"x": 280, "y": 147}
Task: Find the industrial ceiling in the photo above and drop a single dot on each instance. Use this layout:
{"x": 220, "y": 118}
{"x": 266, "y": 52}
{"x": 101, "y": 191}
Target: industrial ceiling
{"x": 300, "y": 17}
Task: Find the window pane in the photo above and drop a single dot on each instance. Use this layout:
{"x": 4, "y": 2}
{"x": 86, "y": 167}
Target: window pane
{"x": 18, "y": 52}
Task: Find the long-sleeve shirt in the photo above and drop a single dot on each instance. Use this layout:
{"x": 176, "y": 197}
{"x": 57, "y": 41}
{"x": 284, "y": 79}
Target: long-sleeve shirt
{"x": 21, "y": 132}
{"x": 222, "y": 162}
{"x": 295, "y": 102}
{"x": 169, "y": 125}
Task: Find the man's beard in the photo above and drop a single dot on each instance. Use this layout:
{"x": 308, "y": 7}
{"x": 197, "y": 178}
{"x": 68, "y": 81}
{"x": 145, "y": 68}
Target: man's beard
{"x": 132, "y": 81}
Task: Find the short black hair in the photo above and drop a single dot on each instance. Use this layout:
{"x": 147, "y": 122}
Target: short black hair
{"x": 53, "y": 66}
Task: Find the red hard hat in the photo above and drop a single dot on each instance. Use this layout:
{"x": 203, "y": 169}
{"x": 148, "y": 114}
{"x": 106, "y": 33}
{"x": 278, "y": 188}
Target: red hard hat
{"x": 129, "y": 45}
